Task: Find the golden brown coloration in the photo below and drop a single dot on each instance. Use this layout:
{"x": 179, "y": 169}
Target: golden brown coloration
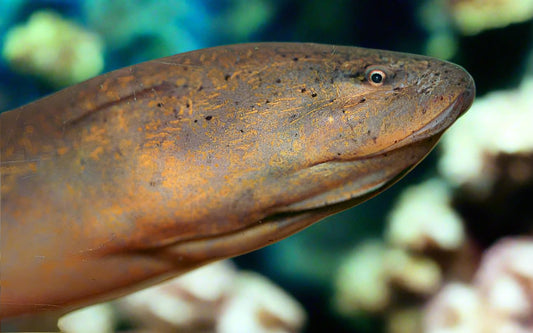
{"x": 155, "y": 169}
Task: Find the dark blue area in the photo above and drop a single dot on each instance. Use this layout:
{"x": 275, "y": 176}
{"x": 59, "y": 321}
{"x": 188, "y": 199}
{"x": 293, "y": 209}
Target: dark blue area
{"x": 66, "y": 8}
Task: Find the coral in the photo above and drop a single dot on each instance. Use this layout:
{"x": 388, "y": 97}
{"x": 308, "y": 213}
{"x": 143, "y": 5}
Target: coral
{"x": 373, "y": 275}
{"x": 54, "y": 49}
{"x": 499, "y": 123}
{"x": 499, "y": 300}
{"x": 95, "y": 318}
{"x": 488, "y": 159}
{"x": 456, "y": 308}
{"x": 214, "y": 298}
{"x": 189, "y": 302}
{"x": 423, "y": 219}
{"x": 256, "y": 305}
{"x": 361, "y": 284}
{"x": 473, "y": 16}
{"x": 413, "y": 273}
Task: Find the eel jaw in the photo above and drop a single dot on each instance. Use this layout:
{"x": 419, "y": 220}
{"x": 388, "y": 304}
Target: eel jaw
{"x": 365, "y": 186}
{"x": 289, "y": 219}
{"x": 437, "y": 125}
{"x": 197, "y": 252}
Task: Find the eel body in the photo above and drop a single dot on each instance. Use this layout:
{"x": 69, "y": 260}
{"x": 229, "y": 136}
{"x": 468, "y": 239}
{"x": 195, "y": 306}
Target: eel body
{"x": 155, "y": 169}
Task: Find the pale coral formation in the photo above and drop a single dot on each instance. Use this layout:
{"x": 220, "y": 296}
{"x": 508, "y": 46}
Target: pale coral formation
{"x": 423, "y": 219}
{"x": 96, "y": 318}
{"x": 499, "y": 123}
{"x": 188, "y": 302}
{"x": 375, "y": 273}
{"x": 214, "y": 298}
{"x": 457, "y": 308}
{"x": 54, "y": 49}
{"x": 416, "y": 274}
{"x": 499, "y": 300}
{"x": 372, "y": 275}
{"x": 257, "y": 305}
{"x": 447, "y": 20}
{"x": 505, "y": 279}
{"x": 361, "y": 283}
{"x": 473, "y": 16}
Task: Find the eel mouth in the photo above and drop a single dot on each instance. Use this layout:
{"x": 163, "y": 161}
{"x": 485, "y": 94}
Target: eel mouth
{"x": 367, "y": 185}
{"x": 446, "y": 118}
{"x": 355, "y": 191}
{"x": 437, "y": 125}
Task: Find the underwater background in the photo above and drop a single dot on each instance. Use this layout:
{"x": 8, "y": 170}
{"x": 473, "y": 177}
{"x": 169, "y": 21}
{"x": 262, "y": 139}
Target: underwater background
{"x": 425, "y": 255}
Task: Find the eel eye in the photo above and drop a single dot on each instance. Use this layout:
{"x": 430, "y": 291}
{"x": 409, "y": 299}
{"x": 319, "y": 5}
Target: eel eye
{"x": 376, "y": 77}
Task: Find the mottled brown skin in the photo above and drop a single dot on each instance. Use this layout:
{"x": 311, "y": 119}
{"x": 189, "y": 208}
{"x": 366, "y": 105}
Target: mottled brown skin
{"x": 155, "y": 169}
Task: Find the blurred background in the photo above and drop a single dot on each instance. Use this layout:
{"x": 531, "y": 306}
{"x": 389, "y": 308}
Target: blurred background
{"x": 442, "y": 251}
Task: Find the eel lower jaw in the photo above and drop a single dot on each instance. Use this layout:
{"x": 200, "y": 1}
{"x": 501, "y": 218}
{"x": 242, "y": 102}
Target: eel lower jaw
{"x": 437, "y": 125}
{"x": 196, "y": 252}
{"x": 273, "y": 228}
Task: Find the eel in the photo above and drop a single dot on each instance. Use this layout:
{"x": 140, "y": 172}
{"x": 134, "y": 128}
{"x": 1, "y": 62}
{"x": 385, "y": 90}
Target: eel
{"x": 150, "y": 171}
